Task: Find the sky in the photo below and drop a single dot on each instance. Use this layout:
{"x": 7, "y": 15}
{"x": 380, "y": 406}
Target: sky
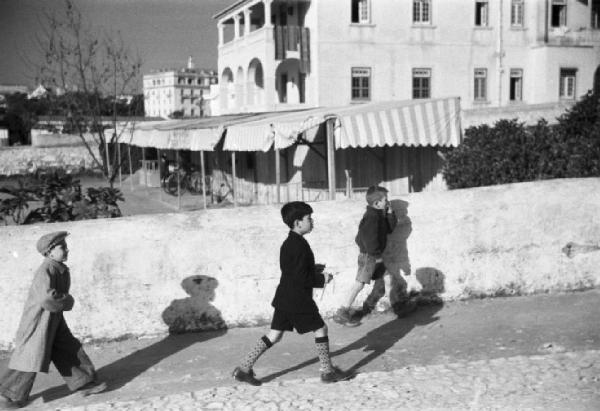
{"x": 163, "y": 32}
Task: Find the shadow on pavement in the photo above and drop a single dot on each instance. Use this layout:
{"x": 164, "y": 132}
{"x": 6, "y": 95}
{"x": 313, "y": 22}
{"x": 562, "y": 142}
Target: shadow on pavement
{"x": 428, "y": 302}
{"x": 194, "y": 316}
{"x": 378, "y": 340}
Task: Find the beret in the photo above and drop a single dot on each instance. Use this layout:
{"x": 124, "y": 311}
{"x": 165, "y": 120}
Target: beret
{"x": 47, "y": 241}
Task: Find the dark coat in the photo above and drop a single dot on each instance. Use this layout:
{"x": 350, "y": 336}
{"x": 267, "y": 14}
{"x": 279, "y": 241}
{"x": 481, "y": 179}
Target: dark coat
{"x": 373, "y": 230}
{"x": 48, "y": 298}
{"x": 298, "y": 277}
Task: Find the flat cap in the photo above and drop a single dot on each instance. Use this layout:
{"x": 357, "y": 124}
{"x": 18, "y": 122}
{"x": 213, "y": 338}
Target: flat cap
{"x": 47, "y": 241}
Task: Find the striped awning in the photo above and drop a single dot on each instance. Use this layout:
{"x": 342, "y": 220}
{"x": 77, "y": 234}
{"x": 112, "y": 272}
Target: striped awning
{"x": 434, "y": 122}
{"x": 280, "y": 129}
{"x": 201, "y": 134}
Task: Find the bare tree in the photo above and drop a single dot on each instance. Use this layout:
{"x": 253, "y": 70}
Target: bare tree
{"x": 86, "y": 66}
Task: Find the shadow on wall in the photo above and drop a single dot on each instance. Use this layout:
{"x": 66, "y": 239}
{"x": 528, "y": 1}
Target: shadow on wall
{"x": 194, "y": 313}
{"x": 191, "y": 314}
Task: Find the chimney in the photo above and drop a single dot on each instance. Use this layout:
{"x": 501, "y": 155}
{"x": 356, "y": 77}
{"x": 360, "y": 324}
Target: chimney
{"x": 190, "y": 63}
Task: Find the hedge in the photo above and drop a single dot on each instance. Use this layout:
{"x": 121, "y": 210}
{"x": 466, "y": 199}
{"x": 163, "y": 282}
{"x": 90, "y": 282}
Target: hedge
{"x": 511, "y": 152}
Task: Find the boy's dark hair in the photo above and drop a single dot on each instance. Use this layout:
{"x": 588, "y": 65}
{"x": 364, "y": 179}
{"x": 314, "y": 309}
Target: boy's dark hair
{"x": 375, "y": 193}
{"x": 294, "y": 210}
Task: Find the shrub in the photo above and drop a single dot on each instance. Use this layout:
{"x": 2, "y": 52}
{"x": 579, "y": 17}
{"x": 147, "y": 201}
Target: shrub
{"x": 511, "y": 152}
{"x": 59, "y": 197}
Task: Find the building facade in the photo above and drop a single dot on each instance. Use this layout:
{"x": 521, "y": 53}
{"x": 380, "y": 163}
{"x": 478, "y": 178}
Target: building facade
{"x": 178, "y": 92}
{"x": 287, "y": 54}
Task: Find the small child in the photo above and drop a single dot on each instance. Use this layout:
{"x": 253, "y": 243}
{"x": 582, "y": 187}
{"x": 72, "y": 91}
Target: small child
{"x": 293, "y": 302}
{"x": 43, "y": 335}
{"x": 378, "y": 221}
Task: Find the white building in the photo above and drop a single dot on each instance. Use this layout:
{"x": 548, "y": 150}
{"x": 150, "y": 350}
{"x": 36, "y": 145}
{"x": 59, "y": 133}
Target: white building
{"x": 284, "y": 54}
{"x": 183, "y": 90}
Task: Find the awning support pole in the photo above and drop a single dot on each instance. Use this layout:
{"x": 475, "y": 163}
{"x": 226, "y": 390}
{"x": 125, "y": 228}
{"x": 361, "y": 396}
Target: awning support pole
{"x": 178, "y": 182}
{"x": 120, "y": 163}
{"x": 203, "y": 177}
{"x": 160, "y": 176}
{"x": 130, "y": 167}
{"x": 144, "y": 167}
{"x": 234, "y": 178}
{"x": 331, "y": 159}
{"x": 278, "y": 175}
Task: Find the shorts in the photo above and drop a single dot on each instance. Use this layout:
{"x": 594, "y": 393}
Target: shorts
{"x": 369, "y": 269}
{"x": 302, "y": 322}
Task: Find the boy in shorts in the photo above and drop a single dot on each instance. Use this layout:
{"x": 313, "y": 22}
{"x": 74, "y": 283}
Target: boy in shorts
{"x": 378, "y": 221}
{"x": 293, "y": 302}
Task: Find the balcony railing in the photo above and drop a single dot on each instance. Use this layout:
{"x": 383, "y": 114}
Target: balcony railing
{"x": 567, "y": 37}
{"x": 295, "y": 39}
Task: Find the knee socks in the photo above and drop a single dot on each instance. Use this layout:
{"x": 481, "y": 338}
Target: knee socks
{"x": 322, "y": 344}
{"x": 262, "y": 345}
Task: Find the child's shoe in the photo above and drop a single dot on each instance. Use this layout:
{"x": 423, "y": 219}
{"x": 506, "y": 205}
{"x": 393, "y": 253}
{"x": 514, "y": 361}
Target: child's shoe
{"x": 403, "y": 309}
{"x": 92, "y": 388}
{"x": 8, "y": 404}
{"x": 344, "y": 316}
{"x": 241, "y": 375}
{"x": 336, "y": 375}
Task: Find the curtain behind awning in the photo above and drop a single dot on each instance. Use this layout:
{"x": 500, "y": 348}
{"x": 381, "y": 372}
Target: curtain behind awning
{"x": 434, "y": 122}
{"x": 279, "y": 128}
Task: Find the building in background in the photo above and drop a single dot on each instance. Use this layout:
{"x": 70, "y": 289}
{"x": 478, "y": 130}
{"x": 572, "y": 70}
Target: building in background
{"x": 286, "y": 54}
{"x": 178, "y": 92}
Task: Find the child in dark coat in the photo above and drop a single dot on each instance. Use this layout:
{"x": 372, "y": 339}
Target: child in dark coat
{"x": 378, "y": 221}
{"x": 43, "y": 335}
{"x": 293, "y": 302}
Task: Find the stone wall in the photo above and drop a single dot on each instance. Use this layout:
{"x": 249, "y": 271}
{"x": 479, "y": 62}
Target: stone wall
{"x": 17, "y": 160}
{"x": 145, "y": 275}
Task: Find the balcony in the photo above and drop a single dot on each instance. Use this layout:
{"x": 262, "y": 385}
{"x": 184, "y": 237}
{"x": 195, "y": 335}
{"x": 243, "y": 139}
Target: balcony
{"x": 278, "y": 42}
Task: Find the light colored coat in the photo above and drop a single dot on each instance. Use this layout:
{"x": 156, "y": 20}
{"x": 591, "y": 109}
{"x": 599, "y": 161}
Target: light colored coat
{"x": 48, "y": 298}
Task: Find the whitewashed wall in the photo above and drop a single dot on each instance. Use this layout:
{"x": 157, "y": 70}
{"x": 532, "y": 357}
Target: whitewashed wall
{"x": 201, "y": 270}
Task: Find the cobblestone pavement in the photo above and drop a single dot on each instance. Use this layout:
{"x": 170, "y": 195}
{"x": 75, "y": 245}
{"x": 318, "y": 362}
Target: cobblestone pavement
{"x": 556, "y": 381}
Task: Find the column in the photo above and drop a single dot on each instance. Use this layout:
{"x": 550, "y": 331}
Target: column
{"x": 267, "y": 4}
{"x": 236, "y": 26}
{"x": 221, "y": 34}
{"x": 247, "y": 13}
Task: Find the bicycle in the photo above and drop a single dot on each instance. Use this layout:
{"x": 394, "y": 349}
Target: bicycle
{"x": 188, "y": 181}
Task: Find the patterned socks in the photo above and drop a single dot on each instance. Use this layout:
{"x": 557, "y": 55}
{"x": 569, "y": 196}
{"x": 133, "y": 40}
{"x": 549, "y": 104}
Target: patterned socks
{"x": 262, "y": 345}
{"x": 322, "y": 344}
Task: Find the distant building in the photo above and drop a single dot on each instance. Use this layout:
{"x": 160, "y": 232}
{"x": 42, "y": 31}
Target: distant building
{"x": 12, "y": 89}
{"x": 281, "y": 55}
{"x": 8, "y": 89}
{"x": 183, "y": 90}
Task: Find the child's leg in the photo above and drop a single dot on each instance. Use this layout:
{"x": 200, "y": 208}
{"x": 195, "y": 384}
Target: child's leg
{"x": 263, "y": 344}
{"x": 70, "y": 359}
{"x": 322, "y": 343}
{"x": 356, "y": 288}
{"x": 16, "y": 385}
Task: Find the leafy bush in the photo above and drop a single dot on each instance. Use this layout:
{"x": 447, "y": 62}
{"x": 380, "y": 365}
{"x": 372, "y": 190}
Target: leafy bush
{"x": 511, "y": 152}
{"x": 59, "y": 197}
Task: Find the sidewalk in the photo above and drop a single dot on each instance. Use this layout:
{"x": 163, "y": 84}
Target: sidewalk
{"x": 535, "y": 352}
